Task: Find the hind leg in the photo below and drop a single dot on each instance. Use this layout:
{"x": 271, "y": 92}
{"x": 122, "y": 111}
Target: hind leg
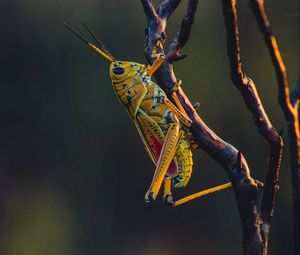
{"x": 202, "y": 193}
{"x": 165, "y": 158}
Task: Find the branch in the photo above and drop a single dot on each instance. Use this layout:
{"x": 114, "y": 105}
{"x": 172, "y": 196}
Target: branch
{"x": 233, "y": 161}
{"x": 265, "y": 27}
{"x": 244, "y": 187}
{"x": 166, "y": 7}
{"x": 296, "y": 95}
{"x": 290, "y": 109}
{"x": 187, "y": 23}
{"x": 173, "y": 53}
{"x": 250, "y": 95}
{"x": 149, "y": 9}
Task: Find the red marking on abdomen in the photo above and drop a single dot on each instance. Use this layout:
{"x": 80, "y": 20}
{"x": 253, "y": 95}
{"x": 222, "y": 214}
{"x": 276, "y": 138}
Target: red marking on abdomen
{"x": 157, "y": 147}
{"x": 173, "y": 169}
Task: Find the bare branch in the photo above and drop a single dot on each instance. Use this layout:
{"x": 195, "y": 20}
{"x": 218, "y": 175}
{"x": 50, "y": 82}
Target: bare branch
{"x": 186, "y": 25}
{"x": 248, "y": 90}
{"x": 149, "y": 9}
{"x": 296, "y": 94}
{"x": 233, "y": 161}
{"x": 290, "y": 109}
{"x": 244, "y": 186}
{"x": 265, "y": 27}
{"x": 181, "y": 39}
{"x": 166, "y": 7}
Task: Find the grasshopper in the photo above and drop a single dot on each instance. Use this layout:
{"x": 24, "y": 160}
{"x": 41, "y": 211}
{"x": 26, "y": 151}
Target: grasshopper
{"x": 162, "y": 126}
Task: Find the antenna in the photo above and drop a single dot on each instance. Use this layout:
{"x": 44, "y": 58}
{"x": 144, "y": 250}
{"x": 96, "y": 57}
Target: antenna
{"x": 76, "y": 33}
{"x": 103, "y": 52}
{"x": 97, "y": 40}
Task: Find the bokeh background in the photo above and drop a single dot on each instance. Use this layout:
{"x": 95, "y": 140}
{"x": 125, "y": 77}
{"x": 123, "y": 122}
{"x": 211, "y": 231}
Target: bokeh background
{"x": 73, "y": 171}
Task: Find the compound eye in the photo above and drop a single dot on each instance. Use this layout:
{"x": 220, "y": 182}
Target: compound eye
{"x": 118, "y": 70}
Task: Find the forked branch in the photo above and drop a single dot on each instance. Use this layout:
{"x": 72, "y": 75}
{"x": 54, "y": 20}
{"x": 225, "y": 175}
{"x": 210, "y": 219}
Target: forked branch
{"x": 229, "y": 157}
{"x": 290, "y": 107}
{"x": 250, "y": 95}
{"x": 149, "y": 9}
{"x": 166, "y": 7}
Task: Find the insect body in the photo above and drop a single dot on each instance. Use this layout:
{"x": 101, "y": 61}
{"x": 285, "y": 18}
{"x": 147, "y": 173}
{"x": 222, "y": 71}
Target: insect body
{"x": 160, "y": 124}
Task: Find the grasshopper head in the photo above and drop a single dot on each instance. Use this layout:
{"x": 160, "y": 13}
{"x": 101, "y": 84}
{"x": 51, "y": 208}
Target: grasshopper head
{"x": 120, "y": 70}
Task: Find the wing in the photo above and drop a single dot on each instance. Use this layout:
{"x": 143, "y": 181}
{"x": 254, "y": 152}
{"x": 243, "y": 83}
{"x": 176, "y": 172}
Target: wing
{"x": 153, "y": 139}
{"x": 134, "y": 95}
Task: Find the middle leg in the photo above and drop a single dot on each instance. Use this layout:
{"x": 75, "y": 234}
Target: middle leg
{"x": 168, "y": 198}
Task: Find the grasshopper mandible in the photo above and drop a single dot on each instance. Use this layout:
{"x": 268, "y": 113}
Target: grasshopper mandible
{"x": 162, "y": 126}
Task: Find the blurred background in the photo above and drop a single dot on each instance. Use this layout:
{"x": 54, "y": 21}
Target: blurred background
{"x": 73, "y": 170}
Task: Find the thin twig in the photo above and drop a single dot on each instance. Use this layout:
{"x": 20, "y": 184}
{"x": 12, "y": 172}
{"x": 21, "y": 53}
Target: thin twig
{"x": 173, "y": 53}
{"x": 166, "y": 7}
{"x": 265, "y": 27}
{"x": 149, "y": 9}
{"x": 250, "y": 95}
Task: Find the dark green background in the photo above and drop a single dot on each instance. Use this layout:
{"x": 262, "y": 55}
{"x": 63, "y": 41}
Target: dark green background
{"x": 73, "y": 171}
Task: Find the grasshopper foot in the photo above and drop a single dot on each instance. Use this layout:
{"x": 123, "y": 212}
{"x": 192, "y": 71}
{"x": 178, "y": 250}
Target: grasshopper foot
{"x": 168, "y": 200}
{"x": 150, "y": 197}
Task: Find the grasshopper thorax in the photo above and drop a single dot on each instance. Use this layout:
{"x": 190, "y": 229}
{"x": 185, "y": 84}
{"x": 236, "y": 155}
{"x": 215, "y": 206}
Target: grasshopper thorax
{"x": 121, "y": 70}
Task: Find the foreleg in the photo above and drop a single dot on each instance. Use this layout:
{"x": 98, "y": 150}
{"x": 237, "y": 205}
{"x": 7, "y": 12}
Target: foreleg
{"x": 156, "y": 64}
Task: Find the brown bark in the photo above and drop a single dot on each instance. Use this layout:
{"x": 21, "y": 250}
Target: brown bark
{"x": 255, "y": 226}
{"x": 289, "y": 105}
{"x": 229, "y": 157}
{"x": 264, "y": 127}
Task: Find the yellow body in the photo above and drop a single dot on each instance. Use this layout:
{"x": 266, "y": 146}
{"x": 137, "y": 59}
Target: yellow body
{"x": 149, "y": 107}
{"x": 161, "y": 125}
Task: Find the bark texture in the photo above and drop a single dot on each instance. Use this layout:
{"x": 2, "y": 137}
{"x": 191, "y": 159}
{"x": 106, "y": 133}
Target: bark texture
{"x": 255, "y": 224}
